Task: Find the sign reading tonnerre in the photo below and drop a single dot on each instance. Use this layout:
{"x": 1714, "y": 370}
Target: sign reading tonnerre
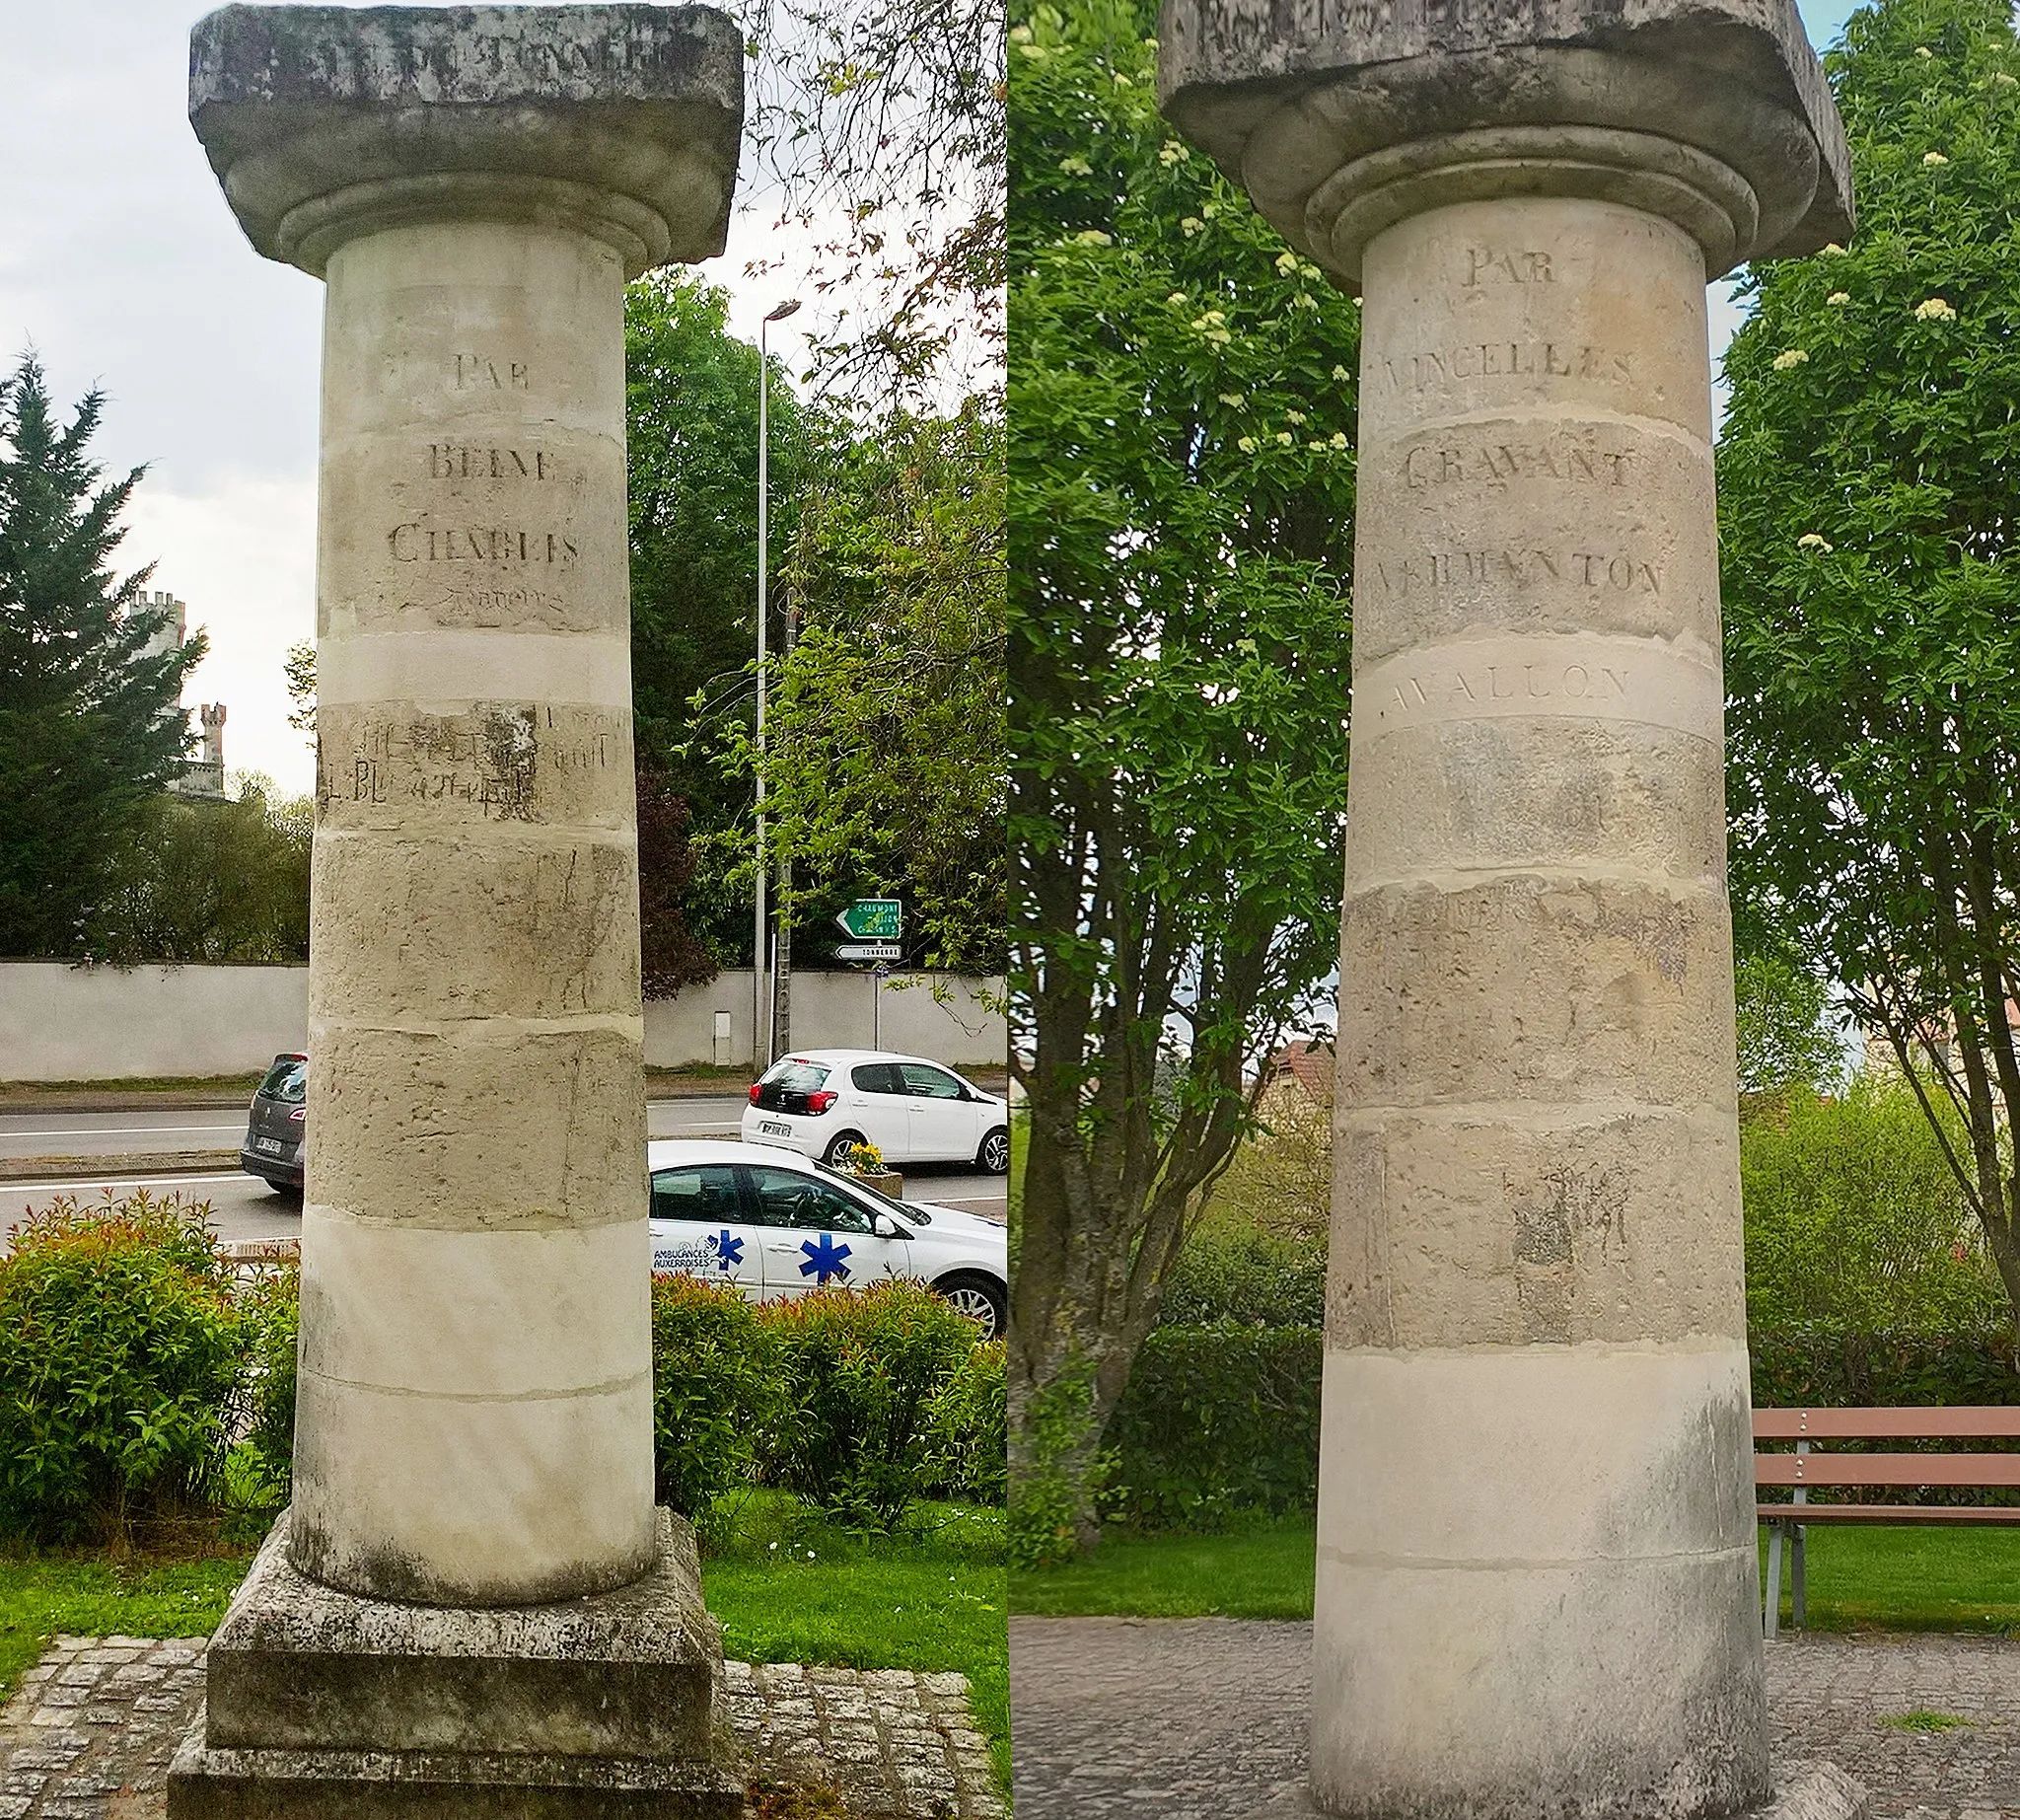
{"x": 878, "y": 920}
{"x": 869, "y": 951}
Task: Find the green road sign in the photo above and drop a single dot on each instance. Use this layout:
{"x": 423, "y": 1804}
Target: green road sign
{"x": 874, "y": 919}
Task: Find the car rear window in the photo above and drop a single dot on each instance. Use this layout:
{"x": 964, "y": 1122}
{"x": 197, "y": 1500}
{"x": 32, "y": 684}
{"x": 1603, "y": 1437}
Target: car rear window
{"x": 796, "y": 1075}
{"x": 287, "y": 1081}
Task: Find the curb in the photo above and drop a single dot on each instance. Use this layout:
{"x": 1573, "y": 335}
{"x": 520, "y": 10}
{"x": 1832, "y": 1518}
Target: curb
{"x": 116, "y": 1168}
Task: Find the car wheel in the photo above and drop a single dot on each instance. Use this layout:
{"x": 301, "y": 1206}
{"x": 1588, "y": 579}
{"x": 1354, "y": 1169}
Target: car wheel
{"x": 993, "y": 1158}
{"x": 837, "y": 1144}
{"x": 977, "y": 1297}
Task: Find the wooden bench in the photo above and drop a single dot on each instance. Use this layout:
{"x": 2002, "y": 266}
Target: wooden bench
{"x": 1804, "y": 1468}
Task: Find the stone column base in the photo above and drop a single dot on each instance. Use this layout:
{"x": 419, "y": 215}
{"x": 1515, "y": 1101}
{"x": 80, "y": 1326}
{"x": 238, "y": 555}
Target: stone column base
{"x": 1801, "y": 1792}
{"x": 330, "y": 1705}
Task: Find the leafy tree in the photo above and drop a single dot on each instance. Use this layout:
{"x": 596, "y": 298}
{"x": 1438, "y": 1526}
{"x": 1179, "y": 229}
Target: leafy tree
{"x": 210, "y": 881}
{"x": 1855, "y": 1220}
{"x": 672, "y": 956}
{"x": 881, "y": 131}
{"x": 1181, "y": 408}
{"x": 1785, "y": 1035}
{"x": 885, "y": 743}
{"x": 1867, "y": 473}
{"x": 91, "y": 725}
{"x": 692, "y": 426}
{"x": 299, "y": 670}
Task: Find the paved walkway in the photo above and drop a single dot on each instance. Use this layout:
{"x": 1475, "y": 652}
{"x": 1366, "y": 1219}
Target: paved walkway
{"x": 89, "y": 1733}
{"x": 1118, "y": 1719}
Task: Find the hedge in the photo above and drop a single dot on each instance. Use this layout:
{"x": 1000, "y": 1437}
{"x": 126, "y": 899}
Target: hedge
{"x": 1223, "y": 1419}
{"x": 131, "y": 1368}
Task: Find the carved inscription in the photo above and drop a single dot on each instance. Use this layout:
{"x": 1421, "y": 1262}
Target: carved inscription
{"x": 1484, "y": 462}
{"x": 1439, "y": 369}
{"x": 1545, "y": 682}
{"x": 455, "y": 462}
{"x": 490, "y": 760}
{"x": 482, "y": 373}
{"x": 1438, "y": 570}
{"x": 416, "y": 541}
{"x": 1497, "y": 265}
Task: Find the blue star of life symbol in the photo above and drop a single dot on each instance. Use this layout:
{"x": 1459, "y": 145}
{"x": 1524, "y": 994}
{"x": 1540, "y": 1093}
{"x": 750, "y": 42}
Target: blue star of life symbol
{"x": 825, "y": 1260}
{"x": 728, "y": 1251}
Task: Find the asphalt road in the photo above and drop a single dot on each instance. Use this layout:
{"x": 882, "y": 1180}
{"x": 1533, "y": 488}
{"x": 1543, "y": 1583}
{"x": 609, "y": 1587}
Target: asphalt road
{"x": 156, "y": 1134}
{"x": 244, "y": 1208}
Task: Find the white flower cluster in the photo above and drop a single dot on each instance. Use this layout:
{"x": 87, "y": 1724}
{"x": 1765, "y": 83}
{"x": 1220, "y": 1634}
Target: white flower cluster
{"x": 1934, "y": 310}
{"x": 1092, "y": 237}
{"x": 1838, "y": 297}
{"x": 1933, "y": 159}
{"x": 1076, "y": 167}
{"x": 1790, "y": 358}
{"x": 1172, "y": 152}
{"x": 1811, "y": 540}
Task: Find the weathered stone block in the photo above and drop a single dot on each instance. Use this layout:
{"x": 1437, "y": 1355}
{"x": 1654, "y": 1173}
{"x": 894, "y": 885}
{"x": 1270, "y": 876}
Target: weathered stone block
{"x": 323, "y": 123}
{"x": 629, "y": 1674}
{"x": 1342, "y": 120}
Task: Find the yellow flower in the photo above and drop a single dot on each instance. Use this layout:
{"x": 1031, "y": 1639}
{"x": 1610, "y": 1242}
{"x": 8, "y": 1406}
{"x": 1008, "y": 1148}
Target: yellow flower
{"x": 1191, "y": 226}
{"x": 1293, "y": 417}
{"x": 1285, "y": 437}
{"x": 1076, "y": 167}
{"x": 1832, "y": 250}
{"x": 1340, "y": 439}
{"x": 1811, "y": 540}
{"x": 1172, "y": 152}
{"x": 1922, "y": 50}
{"x": 2005, "y": 81}
{"x": 1838, "y": 297}
{"x": 1934, "y": 157}
{"x": 1934, "y": 310}
{"x": 1178, "y": 297}
{"x": 1247, "y": 445}
{"x": 1790, "y": 358}
{"x": 1286, "y": 262}
{"x": 1341, "y": 375}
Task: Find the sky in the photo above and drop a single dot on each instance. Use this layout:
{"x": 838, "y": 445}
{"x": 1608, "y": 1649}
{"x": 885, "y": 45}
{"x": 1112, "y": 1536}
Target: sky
{"x": 121, "y": 266}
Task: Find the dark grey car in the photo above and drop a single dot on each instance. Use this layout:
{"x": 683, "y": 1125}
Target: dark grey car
{"x": 276, "y": 1129}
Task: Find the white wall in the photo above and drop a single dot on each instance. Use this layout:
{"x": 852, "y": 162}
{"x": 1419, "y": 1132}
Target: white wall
{"x": 59, "y": 1022}
{"x": 834, "y": 1010}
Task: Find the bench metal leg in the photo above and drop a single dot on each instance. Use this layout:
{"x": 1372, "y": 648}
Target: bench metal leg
{"x": 1797, "y": 1579}
{"x": 1771, "y": 1618}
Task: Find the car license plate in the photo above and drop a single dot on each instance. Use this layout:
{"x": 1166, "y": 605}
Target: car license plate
{"x": 775, "y": 1131}
{"x": 267, "y": 1147}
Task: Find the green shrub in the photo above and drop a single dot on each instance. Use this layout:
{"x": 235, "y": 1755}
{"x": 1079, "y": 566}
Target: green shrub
{"x": 714, "y": 1391}
{"x": 1060, "y": 1458}
{"x": 1216, "y": 1419}
{"x": 119, "y": 1359}
{"x": 273, "y": 1322}
{"x": 1233, "y": 1273}
{"x": 968, "y": 1431}
{"x": 859, "y": 1370}
{"x": 1853, "y": 1220}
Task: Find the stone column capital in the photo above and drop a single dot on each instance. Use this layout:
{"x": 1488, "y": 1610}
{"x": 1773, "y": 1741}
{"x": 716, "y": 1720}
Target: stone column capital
{"x": 1341, "y": 120}
{"x": 327, "y": 122}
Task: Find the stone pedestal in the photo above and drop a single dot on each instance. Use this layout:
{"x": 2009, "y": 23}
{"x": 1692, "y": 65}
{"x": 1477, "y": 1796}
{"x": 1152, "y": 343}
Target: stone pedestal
{"x": 1537, "y": 1582}
{"x": 474, "y": 185}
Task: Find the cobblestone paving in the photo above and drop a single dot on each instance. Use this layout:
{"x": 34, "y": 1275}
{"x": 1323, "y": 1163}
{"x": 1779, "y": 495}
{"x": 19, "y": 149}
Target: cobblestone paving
{"x": 1204, "y": 1718}
{"x": 89, "y": 1733}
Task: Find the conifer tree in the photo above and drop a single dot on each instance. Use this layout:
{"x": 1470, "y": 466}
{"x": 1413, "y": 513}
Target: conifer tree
{"x": 90, "y": 728}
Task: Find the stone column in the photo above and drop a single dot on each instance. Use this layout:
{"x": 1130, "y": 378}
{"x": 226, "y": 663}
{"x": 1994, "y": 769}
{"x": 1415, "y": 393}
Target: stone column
{"x": 474, "y": 1426}
{"x": 1537, "y": 1590}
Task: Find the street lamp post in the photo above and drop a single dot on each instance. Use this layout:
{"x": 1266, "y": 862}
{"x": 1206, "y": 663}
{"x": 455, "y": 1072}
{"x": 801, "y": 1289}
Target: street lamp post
{"x": 761, "y": 1023}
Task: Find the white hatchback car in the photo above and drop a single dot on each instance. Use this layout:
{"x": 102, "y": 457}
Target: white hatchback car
{"x": 778, "y": 1225}
{"x": 819, "y": 1101}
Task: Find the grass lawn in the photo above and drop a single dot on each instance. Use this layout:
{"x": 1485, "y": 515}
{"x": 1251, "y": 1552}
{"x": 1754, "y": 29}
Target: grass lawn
{"x": 1881, "y": 1578}
{"x": 1260, "y": 1572}
{"x": 785, "y": 1586}
{"x": 789, "y": 1588}
{"x": 87, "y": 1595}
{"x": 1909, "y": 1578}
